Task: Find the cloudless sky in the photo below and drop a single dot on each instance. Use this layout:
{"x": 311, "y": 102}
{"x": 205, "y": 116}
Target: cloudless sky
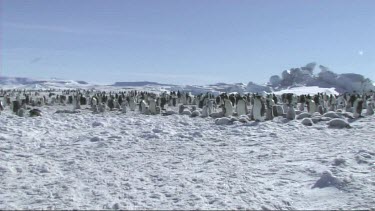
{"x": 184, "y": 41}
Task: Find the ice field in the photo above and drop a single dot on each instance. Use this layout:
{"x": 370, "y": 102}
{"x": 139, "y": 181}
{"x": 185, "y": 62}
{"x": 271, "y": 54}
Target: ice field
{"x": 116, "y": 160}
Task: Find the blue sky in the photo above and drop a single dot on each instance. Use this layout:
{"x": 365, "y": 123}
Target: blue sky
{"x": 184, "y": 42}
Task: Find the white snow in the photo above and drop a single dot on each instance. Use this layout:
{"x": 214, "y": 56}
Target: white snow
{"x": 114, "y": 160}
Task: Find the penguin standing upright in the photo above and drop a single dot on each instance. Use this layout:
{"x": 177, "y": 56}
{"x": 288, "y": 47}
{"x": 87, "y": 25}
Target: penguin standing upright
{"x": 269, "y": 105}
{"x": 16, "y": 106}
{"x": 302, "y": 101}
{"x": 291, "y": 113}
{"x": 311, "y": 106}
{"x": 1, "y": 106}
{"x": 241, "y": 107}
{"x": 132, "y": 104}
{"x": 210, "y": 107}
{"x": 152, "y": 106}
{"x": 228, "y": 108}
{"x": 357, "y": 107}
{"x": 258, "y": 110}
{"x": 370, "y": 108}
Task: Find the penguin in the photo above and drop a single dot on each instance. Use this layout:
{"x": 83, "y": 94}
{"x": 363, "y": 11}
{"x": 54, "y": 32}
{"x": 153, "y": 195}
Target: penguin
{"x": 181, "y": 109}
{"x": 332, "y": 103}
{"x": 241, "y": 107}
{"x": 370, "y": 108}
{"x": 35, "y": 112}
{"x": 1, "y": 106}
{"x": 302, "y": 101}
{"x": 204, "y": 112}
{"x": 311, "y": 106}
{"x": 228, "y": 108}
{"x": 132, "y": 104}
{"x": 144, "y": 107}
{"x": 16, "y": 106}
{"x": 320, "y": 109}
{"x": 102, "y": 107}
{"x": 210, "y": 107}
{"x": 111, "y": 103}
{"x": 152, "y": 106}
{"x": 291, "y": 113}
{"x": 258, "y": 110}
{"x": 340, "y": 102}
{"x": 357, "y": 107}
{"x": 269, "y": 111}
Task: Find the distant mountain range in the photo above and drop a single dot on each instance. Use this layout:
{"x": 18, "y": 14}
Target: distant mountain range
{"x": 289, "y": 79}
{"x": 26, "y": 81}
{"x": 140, "y": 83}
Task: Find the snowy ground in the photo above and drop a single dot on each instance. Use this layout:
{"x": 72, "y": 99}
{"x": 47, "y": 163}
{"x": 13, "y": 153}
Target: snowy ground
{"x": 134, "y": 161}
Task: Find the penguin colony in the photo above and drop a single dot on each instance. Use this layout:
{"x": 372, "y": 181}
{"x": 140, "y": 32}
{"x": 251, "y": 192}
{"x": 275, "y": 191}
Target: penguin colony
{"x": 224, "y": 108}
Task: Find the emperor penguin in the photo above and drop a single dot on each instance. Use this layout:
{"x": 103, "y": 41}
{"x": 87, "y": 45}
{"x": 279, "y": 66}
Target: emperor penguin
{"x": 123, "y": 108}
{"x": 228, "y": 108}
{"x": 320, "y": 109}
{"x": 357, "y": 107}
{"x": 1, "y": 105}
{"x": 370, "y": 108}
{"x": 269, "y": 105}
{"x": 181, "y": 109}
{"x": 102, "y": 107}
{"x": 302, "y": 101}
{"x": 143, "y": 105}
{"x": 258, "y": 109}
{"x": 204, "y": 112}
{"x": 16, "y": 106}
{"x": 340, "y": 102}
{"x": 152, "y": 106}
{"x": 210, "y": 107}
{"x": 76, "y": 103}
{"x": 332, "y": 103}
{"x": 241, "y": 107}
{"x": 132, "y": 104}
{"x": 291, "y": 113}
{"x": 311, "y": 106}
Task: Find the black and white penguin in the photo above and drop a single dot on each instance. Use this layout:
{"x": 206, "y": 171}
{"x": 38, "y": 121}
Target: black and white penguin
{"x": 311, "y": 106}
{"x": 16, "y": 106}
{"x": 241, "y": 107}
{"x": 321, "y": 109}
{"x": 269, "y": 108}
{"x": 228, "y": 108}
{"x": 302, "y": 101}
{"x": 210, "y": 106}
{"x": 132, "y": 104}
{"x": 152, "y": 106}
{"x": 1, "y": 106}
{"x": 370, "y": 108}
{"x": 259, "y": 109}
{"x": 332, "y": 103}
{"x": 35, "y": 112}
{"x": 291, "y": 113}
{"x": 181, "y": 109}
{"x": 204, "y": 112}
{"x": 357, "y": 107}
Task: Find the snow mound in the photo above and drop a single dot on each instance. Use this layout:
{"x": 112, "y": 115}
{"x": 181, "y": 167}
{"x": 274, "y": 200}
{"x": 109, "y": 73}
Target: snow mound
{"x": 338, "y": 123}
{"x": 327, "y": 180}
{"x": 307, "y": 121}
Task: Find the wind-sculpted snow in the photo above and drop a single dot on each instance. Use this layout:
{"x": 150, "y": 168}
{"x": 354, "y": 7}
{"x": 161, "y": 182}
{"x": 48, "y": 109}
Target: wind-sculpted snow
{"x": 113, "y": 160}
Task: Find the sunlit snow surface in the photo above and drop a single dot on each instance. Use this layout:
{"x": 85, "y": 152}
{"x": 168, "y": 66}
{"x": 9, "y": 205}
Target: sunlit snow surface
{"x": 134, "y": 161}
